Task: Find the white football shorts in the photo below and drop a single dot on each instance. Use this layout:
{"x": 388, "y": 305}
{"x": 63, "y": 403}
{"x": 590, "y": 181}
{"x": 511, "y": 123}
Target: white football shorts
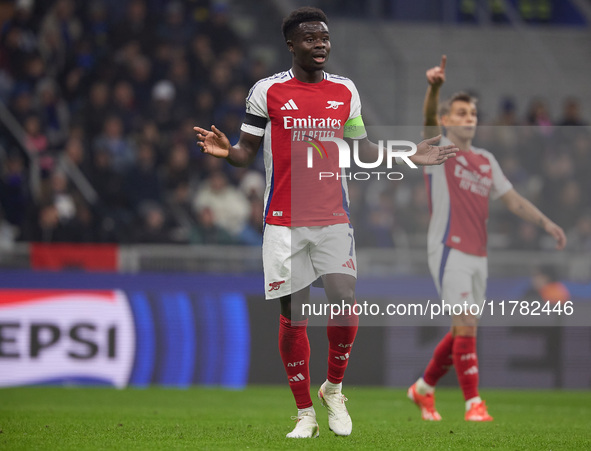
{"x": 294, "y": 257}
{"x": 459, "y": 277}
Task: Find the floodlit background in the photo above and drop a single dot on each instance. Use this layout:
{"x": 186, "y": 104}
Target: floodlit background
{"x": 129, "y": 258}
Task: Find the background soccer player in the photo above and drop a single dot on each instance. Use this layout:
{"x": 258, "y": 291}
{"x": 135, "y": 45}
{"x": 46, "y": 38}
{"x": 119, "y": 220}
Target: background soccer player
{"x": 459, "y": 197}
{"x": 307, "y": 231}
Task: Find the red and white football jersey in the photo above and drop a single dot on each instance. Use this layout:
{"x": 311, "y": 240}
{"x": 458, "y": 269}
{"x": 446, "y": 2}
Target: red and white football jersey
{"x": 459, "y": 192}
{"x": 293, "y": 116}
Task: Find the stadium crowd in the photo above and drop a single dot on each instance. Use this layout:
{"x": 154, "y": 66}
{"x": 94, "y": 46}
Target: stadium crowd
{"x": 110, "y": 91}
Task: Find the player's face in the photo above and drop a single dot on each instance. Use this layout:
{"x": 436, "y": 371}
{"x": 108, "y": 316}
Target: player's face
{"x": 461, "y": 119}
{"x": 310, "y": 45}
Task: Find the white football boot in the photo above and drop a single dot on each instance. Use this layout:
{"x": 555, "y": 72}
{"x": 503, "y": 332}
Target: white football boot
{"x": 339, "y": 420}
{"x": 306, "y": 427}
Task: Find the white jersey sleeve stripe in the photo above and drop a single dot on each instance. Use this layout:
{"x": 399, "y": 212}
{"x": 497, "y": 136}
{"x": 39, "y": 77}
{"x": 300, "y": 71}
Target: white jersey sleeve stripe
{"x": 251, "y": 129}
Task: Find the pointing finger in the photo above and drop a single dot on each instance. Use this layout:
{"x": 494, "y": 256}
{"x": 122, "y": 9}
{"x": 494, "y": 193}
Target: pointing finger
{"x": 443, "y": 62}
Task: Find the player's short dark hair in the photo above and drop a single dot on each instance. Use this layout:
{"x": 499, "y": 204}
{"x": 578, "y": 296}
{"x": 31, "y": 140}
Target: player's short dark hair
{"x": 301, "y": 15}
{"x": 445, "y": 107}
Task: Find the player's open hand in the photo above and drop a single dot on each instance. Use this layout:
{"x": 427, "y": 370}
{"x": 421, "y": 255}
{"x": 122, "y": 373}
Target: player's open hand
{"x": 557, "y": 233}
{"x": 436, "y": 75}
{"x": 213, "y": 142}
{"x": 428, "y": 154}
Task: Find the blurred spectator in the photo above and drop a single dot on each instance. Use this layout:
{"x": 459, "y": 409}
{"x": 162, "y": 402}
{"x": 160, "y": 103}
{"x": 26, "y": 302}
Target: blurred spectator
{"x": 38, "y": 144}
{"x": 538, "y": 114}
{"x": 96, "y": 108}
{"x": 546, "y": 285}
{"x": 140, "y": 77}
{"x": 116, "y": 217}
{"x": 180, "y": 76}
{"x": 18, "y": 39}
{"x": 61, "y": 196}
{"x": 116, "y": 143}
{"x": 569, "y": 204}
{"x": 219, "y": 26}
{"x": 77, "y": 74}
{"x": 124, "y": 106}
{"x": 135, "y": 28}
{"x": 229, "y": 206}
{"x": 579, "y": 237}
{"x": 54, "y": 111}
{"x": 62, "y": 19}
{"x": 74, "y": 154}
{"x": 150, "y": 133}
{"x": 53, "y": 51}
{"x": 381, "y": 222}
{"x": 162, "y": 109}
{"x": 178, "y": 167}
{"x": 527, "y": 237}
{"x": 97, "y": 27}
{"x": 558, "y": 169}
{"x": 178, "y": 203}
{"x": 414, "y": 214}
{"x": 14, "y": 190}
{"x": 83, "y": 227}
{"x": 175, "y": 29}
{"x": 571, "y": 113}
{"x": 153, "y": 226}
{"x": 47, "y": 227}
{"x": 505, "y": 132}
{"x": 206, "y": 231}
{"x": 204, "y": 106}
{"x": 252, "y": 184}
{"x": 21, "y": 103}
{"x": 201, "y": 58}
{"x": 8, "y": 233}
{"x": 220, "y": 80}
{"x": 581, "y": 145}
{"x": 252, "y": 234}
{"x": 142, "y": 181}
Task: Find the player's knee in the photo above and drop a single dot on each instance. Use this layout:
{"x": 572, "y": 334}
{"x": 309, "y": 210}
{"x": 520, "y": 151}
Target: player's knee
{"x": 344, "y": 296}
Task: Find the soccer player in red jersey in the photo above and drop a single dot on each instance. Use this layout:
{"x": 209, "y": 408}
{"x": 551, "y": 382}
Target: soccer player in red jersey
{"x": 459, "y": 192}
{"x": 307, "y": 233}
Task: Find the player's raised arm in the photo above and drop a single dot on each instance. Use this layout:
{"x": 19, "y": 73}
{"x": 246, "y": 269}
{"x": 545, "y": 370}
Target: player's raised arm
{"x": 214, "y": 142}
{"x": 435, "y": 78}
{"x": 520, "y": 206}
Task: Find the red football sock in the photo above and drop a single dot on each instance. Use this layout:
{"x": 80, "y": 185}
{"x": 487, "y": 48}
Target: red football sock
{"x": 466, "y": 363}
{"x": 441, "y": 361}
{"x": 294, "y": 348}
{"x": 341, "y": 331}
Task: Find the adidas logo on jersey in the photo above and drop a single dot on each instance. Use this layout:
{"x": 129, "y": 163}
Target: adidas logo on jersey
{"x": 297, "y": 378}
{"x": 290, "y": 105}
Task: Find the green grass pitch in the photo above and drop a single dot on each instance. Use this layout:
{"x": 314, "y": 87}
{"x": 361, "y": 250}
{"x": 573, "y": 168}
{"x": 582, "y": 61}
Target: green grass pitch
{"x": 54, "y": 418}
